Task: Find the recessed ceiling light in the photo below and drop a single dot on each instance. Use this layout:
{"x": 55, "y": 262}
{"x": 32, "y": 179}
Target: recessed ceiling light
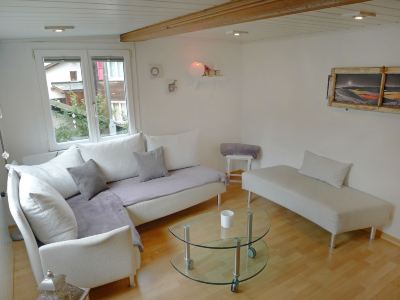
{"x": 58, "y": 28}
{"x": 237, "y": 33}
{"x": 360, "y": 15}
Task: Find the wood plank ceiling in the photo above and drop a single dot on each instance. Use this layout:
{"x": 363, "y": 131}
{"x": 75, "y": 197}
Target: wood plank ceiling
{"x": 331, "y": 19}
{"x": 27, "y": 18}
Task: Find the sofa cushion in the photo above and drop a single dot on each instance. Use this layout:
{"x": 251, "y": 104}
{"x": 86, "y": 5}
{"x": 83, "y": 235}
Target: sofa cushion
{"x": 55, "y": 173}
{"x": 132, "y": 191}
{"x": 324, "y": 169}
{"x": 180, "y": 150}
{"x": 89, "y": 178}
{"x": 49, "y": 215}
{"x": 151, "y": 164}
{"x": 115, "y": 157}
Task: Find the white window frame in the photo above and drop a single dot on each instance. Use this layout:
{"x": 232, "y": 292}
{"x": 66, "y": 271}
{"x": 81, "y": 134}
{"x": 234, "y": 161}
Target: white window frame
{"x": 89, "y": 92}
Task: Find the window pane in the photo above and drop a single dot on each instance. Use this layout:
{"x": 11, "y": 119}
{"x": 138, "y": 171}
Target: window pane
{"x": 110, "y": 95}
{"x": 66, "y": 98}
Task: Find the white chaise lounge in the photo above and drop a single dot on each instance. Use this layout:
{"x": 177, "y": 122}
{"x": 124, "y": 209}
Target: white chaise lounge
{"x": 336, "y": 210}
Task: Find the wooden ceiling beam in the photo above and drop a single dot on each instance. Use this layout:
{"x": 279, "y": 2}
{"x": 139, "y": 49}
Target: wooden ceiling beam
{"x": 233, "y": 12}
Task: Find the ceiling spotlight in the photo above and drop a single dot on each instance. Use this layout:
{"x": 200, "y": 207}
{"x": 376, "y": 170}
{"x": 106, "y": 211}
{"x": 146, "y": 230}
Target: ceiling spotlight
{"x": 58, "y": 29}
{"x": 237, "y": 33}
{"x": 360, "y": 15}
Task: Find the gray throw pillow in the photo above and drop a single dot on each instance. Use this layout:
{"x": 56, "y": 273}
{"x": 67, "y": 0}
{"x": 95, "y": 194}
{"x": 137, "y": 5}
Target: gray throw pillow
{"x": 89, "y": 179}
{"x": 151, "y": 164}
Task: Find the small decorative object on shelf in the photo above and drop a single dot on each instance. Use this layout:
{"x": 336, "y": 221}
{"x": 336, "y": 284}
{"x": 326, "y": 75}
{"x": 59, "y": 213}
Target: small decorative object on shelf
{"x": 198, "y": 69}
{"x": 54, "y": 287}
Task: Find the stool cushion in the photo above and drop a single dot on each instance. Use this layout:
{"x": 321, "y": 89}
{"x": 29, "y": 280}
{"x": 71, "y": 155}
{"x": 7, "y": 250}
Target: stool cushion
{"x": 239, "y": 149}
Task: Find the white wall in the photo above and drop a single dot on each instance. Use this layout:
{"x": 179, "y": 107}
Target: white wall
{"x": 285, "y": 111}
{"x": 213, "y": 106}
{"x": 23, "y": 124}
{"x": 6, "y": 254}
{"x": 272, "y": 94}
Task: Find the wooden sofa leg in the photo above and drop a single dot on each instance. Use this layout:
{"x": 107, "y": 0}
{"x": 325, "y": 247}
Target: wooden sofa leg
{"x": 373, "y": 233}
{"x": 219, "y": 200}
{"x": 333, "y": 242}
{"x": 132, "y": 281}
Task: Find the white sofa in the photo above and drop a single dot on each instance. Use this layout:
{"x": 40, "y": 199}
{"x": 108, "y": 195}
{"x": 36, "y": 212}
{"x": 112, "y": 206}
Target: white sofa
{"x": 336, "y": 210}
{"x": 83, "y": 259}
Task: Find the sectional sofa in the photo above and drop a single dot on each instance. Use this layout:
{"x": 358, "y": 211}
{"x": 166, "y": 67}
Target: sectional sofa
{"x": 107, "y": 246}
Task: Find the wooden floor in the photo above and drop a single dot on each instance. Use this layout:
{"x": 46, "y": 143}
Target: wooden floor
{"x": 300, "y": 266}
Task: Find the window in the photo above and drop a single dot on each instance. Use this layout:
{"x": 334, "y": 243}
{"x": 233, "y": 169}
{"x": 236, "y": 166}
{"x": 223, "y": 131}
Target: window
{"x": 110, "y": 95}
{"x": 73, "y": 75}
{"x": 87, "y": 95}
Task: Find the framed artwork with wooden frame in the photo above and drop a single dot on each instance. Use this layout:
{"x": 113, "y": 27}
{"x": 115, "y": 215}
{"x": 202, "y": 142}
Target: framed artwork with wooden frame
{"x": 375, "y": 89}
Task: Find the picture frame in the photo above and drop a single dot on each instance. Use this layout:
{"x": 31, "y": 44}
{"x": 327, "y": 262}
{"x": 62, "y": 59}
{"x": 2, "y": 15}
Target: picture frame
{"x": 365, "y": 88}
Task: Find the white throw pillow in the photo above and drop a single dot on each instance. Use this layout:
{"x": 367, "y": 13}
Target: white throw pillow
{"x": 324, "y": 169}
{"x": 180, "y": 150}
{"x": 50, "y": 216}
{"x": 55, "y": 173}
{"x": 115, "y": 157}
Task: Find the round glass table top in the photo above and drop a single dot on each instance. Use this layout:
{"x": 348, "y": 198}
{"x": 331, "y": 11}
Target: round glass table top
{"x": 205, "y": 230}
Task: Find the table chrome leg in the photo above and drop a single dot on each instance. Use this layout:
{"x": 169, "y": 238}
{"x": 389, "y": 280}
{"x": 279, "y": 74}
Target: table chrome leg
{"x": 251, "y": 252}
{"x": 236, "y": 271}
{"x": 188, "y": 260}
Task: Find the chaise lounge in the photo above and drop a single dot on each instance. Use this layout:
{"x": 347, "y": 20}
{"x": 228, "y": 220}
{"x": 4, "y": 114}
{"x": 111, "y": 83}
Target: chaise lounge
{"x": 337, "y": 210}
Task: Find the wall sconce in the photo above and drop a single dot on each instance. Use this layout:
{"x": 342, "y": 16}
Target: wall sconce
{"x": 198, "y": 69}
{"x": 172, "y": 86}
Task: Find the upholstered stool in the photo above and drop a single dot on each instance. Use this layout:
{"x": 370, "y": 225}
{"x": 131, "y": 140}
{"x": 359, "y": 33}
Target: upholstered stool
{"x": 240, "y": 152}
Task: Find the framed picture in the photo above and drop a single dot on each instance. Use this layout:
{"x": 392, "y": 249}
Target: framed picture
{"x": 391, "y": 94}
{"x": 376, "y": 88}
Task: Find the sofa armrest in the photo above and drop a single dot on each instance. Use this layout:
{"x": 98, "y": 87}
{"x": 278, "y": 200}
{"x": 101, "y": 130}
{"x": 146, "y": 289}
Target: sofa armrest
{"x": 94, "y": 260}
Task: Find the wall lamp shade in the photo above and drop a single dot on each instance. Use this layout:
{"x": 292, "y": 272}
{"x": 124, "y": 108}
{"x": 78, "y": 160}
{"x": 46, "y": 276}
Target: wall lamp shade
{"x": 197, "y": 69}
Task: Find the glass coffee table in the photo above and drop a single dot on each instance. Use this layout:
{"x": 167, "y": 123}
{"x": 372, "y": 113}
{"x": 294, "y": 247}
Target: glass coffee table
{"x": 215, "y": 255}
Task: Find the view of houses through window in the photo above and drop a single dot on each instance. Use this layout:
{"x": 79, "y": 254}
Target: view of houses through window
{"x": 66, "y": 97}
{"x": 67, "y": 91}
{"x": 110, "y": 95}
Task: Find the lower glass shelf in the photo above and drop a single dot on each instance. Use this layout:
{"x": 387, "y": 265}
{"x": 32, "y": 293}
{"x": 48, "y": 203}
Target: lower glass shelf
{"x": 216, "y": 266}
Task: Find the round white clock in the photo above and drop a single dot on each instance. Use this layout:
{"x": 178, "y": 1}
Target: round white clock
{"x": 155, "y": 71}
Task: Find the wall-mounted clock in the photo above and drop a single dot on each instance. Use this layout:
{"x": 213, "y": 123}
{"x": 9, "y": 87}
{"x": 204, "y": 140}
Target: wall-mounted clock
{"x": 155, "y": 71}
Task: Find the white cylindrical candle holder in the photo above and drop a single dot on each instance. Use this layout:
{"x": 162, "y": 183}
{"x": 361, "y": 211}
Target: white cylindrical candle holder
{"x": 227, "y": 218}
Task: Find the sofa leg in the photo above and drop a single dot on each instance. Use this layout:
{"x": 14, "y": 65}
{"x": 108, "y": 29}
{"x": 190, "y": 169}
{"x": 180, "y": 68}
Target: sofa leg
{"x": 333, "y": 242}
{"x": 219, "y": 200}
{"x": 373, "y": 233}
{"x": 248, "y": 199}
{"x": 132, "y": 281}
